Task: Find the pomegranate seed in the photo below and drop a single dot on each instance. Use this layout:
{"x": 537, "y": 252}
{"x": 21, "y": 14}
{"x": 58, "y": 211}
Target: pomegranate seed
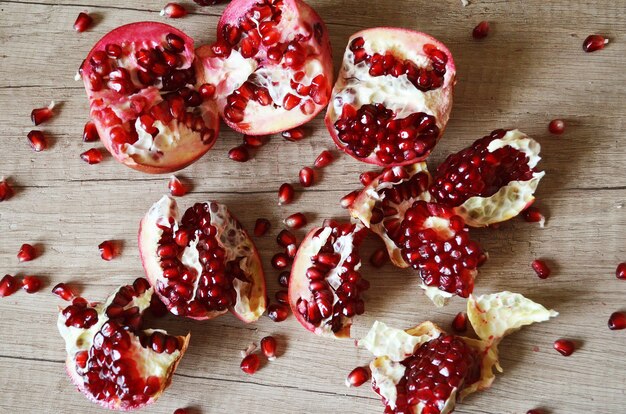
{"x": 564, "y": 346}
{"x": 347, "y": 200}
{"x": 64, "y": 292}
{"x": 37, "y": 140}
{"x": 296, "y": 221}
{"x": 325, "y": 158}
{"x": 261, "y": 227}
{"x": 556, "y": 126}
{"x": 367, "y": 177}
{"x": 282, "y": 296}
{"x": 594, "y": 42}
{"x": 459, "y": 323}
{"x": 481, "y": 30}
{"x": 41, "y": 115}
{"x": 26, "y": 253}
{"x": 90, "y": 132}
{"x": 82, "y": 23}
{"x": 379, "y": 257}
{"x": 5, "y": 189}
{"x": 285, "y": 194}
{"x": 286, "y": 238}
{"x": 250, "y": 364}
{"x": 291, "y": 250}
{"x": 534, "y": 412}
{"x": 176, "y": 187}
{"x": 541, "y": 268}
{"x": 107, "y": 250}
{"x": 617, "y": 321}
{"x": 357, "y": 377}
{"x": 307, "y": 176}
{"x": 207, "y": 91}
{"x": 239, "y": 154}
{"x": 277, "y": 312}
{"x": 255, "y": 141}
{"x": 620, "y": 272}
{"x": 31, "y": 284}
{"x": 280, "y": 261}
{"x": 8, "y": 286}
{"x": 268, "y": 347}
{"x": 92, "y": 156}
{"x": 180, "y": 411}
{"x": 293, "y": 135}
{"x": 173, "y": 11}
{"x": 533, "y": 215}
{"x": 283, "y": 279}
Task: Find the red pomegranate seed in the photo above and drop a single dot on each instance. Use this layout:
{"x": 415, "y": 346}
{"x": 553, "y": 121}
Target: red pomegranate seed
{"x": 40, "y": 115}
{"x": 250, "y": 364}
{"x": 379, "y": 257}
{"x": 63, "y": 291}
{"x": 8, "y": 286}
{"x": 325, "y": 158}
{"x": 620, "y": 272}
{"x": 534, "y": 412}
{"x": 556, "y": 126}
{"x": 5, "y": 189}
{"x": 37, "y": 140}
{"x": 285, "y": 194}
{"x": 283, "y": 279}
{"x": 533, "y": 215}
{"x": 293, "y": 135}
{"x": 255, "y": 141}
{"x": 26, "y": 253}
{"x": 261, "y": 227}
{"x": 594, "y": 42}
{"x": 367, "y": 177}
{"x": 291, "y": 250}
{"x": 541, "y": 268}
{"x": 90, "y": 132}
{"x": 92, "y": 156}
{"x": 180, "y": 411}
{"x": 176, "y": 187}
{"x": 277, "y": 312}
{"x": 286, "y": 238}
{"x": 280, "y": 261}
{"x": 31, "y": 284}
{"x": 239, "y": 154}
{"x": 617, "y": 321}
{"x": 83, "y": 22}
{"x": 481, "y": 30}
{"x": 107, "y": 250}
{"x": 296, "y": 221}
{"x": 268, "y": 347}
{"x": 564, "y": 346}
{"x": 282, "y": 296}
{"x": 207, "y": 91}
{"x": 347, "y": 200}
{"x": 459, "y": 323}
{"x": 174, "y": 11}
{"x": 307, "y": 177}
{"x": 357, "y": 377}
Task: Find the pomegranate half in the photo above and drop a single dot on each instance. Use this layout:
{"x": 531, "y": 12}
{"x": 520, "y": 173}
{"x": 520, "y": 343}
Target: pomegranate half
{"x": 203, "y": 263}
{"x": 144, "y": 99}
{"x": 271, "y": 68}
{"x": 393, "y": 96}
{"x": 111, "y": 360}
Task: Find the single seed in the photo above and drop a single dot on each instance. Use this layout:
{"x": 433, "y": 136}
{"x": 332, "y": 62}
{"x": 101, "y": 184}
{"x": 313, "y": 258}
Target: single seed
{"x": 37, "y": 140}
{"x": 268, "y": 347}
{"x": 261, "y": 227}
{"x": 347, "y": 200}
{"x": 239, "y": 154}
{"x": 481, "y": 30}
{"x": 556, "y": 126}
{"x": 564, "y": 346}
{"x": 620, "y": 272}
{"x": 594, "y": 42}
{"x": 296, "y": 221}
{"x": 533, "y": 215}
{"x": 357, "y": 377}
{"x": 285, "y": 194}
{"x": 173, "y": 11}
{"x": 307, "y": 177}
{"x": 367, "y": 177}
{"x": 277, "y": 312}
{"x": 255, "y": 141}
{"x": 283, "y": 279}
{"x": 176, "y": 187}
{"x": 107, "y": 250}
{"x": 286, "y": 238}
{"x": 282, "y": 297}
{"x": 90, "y": 132}
{"x": 83, "y": 22}
{"x": 5, "y": 189}
{"x": 293, "y": 135}
{"x": 280, "y": 261}
{"x": 180, "y": 411}
{"x": 8, "y": 286}
{"x": 325, "y": 158}
{"x": 459, "y": 323}
{"x": 534, "y": 412}
{"x": 92, "y": 156}
{"x": 250, "y": 364}
{"x": 617, "y": 321}
{"x": 379, "y": 257}
{"x": 63, "y": 291}
{"x": 26, "y": 253}
{"x": 541, "y": 268}
{"x": 41, "y": 115}
{"x": 31, "y": 284}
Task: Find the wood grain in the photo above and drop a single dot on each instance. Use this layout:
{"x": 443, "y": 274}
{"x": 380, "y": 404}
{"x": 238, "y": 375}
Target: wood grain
{"x": 528, "y": 71}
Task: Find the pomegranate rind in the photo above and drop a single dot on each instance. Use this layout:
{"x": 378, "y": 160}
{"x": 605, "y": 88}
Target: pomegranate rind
{"x": 251, "y": 297}
{"x": 406, "y": 44}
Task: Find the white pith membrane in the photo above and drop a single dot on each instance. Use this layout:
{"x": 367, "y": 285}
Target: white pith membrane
{"x": 148, "y": 362}
{"x": 356, "y": 87}
{"x": 492, "y": 317}
{"x": 251, "y": 301}
{"x": 230, "y": 73}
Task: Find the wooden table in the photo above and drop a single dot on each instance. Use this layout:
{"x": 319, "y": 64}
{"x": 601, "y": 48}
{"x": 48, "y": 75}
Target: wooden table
{"x": 529, "y": 70}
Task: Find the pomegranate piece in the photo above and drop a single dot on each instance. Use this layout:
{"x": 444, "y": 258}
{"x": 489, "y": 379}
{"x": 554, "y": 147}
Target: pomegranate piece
{"x": 556, "y": 126}
{"x": 379, "y": 258}
{"x": 176, "y": 187}
{"x": 110, "y": 359}
{"x": 26, "y": 253}
{"x": 268, "y": 347}
{"x": 217, "y": 268}
{"x": 90, "y": 132}
{"x": 325, "y": 286}
{"x": 145, "y": 100}
{"x": 541, "y": 268}
{"x": 250, "y": 364}
{"x": 278, "y": 312}
{"x": 564, "y": 347}
{"x": 107, "y": 250}
{"x": 239, "y": 154}
{"x": 307, "y": 176}
{"x": 31, "y": 284}
{"x": 285, "y": 194}
{"x": 293, "y": 135}
{"x": 620, "y": 272}
{"x": 407, "y": 79}
{"x": 41, "y": 115}
{"x": 459, "y": 323}
{"x": 174, "y": 11}
{"x": 261, "y": 227}
{"x": 37, "y": 140}
{"x": 617, "y": 321}
{"x": 5, "y": 189}
{"x": 8, "y": 286}
{"x": 594, "y": 42}
{"x": 481, "y": 30}
{"x": 271, "y": 63}
{"x": 83, "y": 22}
{"x": 325, "y": 158}
{"x": 296, "y": 221}
{"x": 92, "y": 156}
{"x": 63, "y": 291}
{"x": 357, "y": 377}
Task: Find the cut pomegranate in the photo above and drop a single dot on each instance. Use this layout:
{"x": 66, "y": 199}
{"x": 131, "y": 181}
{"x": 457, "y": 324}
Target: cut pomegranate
{"x": 481, "y": 30}
{"x": 37, "y": 140}
{"x": 459, "y": 323}
{"x": 239, "y": 154}
{"x": 90, "y": 132}
{"x": 357, "y": 377}
{"x": 174, "y": 11}
{"x": 491, "y": 181}
{"x": 325, "y": 287}
{"x": 285, "y": 194}
{"x": 533, "y": 215}
{"x": 92, "y": 156}
{"x": 277, "y": 312}
{"x": 541, "y": 268}
{"x": 8, "y": 286}
{"x": 617, "y": 321}
{"x": 83, "y": 22}
{"x": 144, "y": 98}
{"x": 307, "y": 176}
{"x": 620, "y": 272}
{"x": 594, "y": 42}
{"x": 379, "y": 258}
{"x": 325, "y": 158}
{"x": 261, "y": 227}
{"x": 293, "y": 135}
{"x": 176, "y": 187}
{"x": 556, "y": 126}
{"x": 63, "y": 291}
{"x": 296, "y": 221}
{"x": 107, "y": 250}
{"x": 393, "y": 96}
{"x": 31, "y": 284}
{"x": 271, "y": 65}
{"x": 565, "y": 347}
{"x": 250, "y": 364}
{"x": 41, "y": 115}
{"x": 217, "y": 269}
{"x": 268, "y": 347}
{"x": 26, "y": 253}
{"x": 5, "y": 189}
{"x": 109, "y": 358}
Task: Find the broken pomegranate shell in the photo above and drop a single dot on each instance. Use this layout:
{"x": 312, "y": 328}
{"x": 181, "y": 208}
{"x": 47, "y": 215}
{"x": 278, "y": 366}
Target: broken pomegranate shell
{"x": 144, "y": 99}
{"x": 271, "y": 65}
{"x": 325, "y": 286}
{"x": 110, "y": 359}
{"x": 393, "y": 96}
{"x": 214, "y": 268}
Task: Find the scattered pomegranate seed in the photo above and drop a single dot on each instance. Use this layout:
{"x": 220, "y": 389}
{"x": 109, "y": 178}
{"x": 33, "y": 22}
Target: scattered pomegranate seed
{"x": 291, "y": 250}
{"x": 325, "y": 158}
{"x": 280, "y": 261}
{"x": 367, "y": 177}
{"x": 534, "y": 412}
{"x": 107, "y": 250}
{"x": 180, "y": 411}
{"x": 26, "y": 253}
{"x": 481, "y": 30}
{"x": 347, "y": 200}
{"x": 541, "y": 268}
{"x": 357, "y": 377}
{"x": 207, "y": 90}
{"x": 459, "y": 323}
{"x": 261, "y": 226}
{"x": 379, "y": 257}
{"x": 282, "y": 297}
{"x": 90, "y": 132}
{"x": 533, "y": 215}
{"x": 41, "y": 115}
{"x": 283, "y": 279}
{"x": 285, "y": 194}
{"x": 293, "y": 135}
{"x": 296, "y": 221}
{"x": 594, "y": 42}
{"x": 174, "y": 11}
{"x": 255, "y": 141}
{"x": 63, "y": 291}
{"x": 8, "y": 286}
{"x": 277, "y": 312}
{"x": 307, "y": 177}
{"x": 37, "y": 140}
{"x": 556, "y": 126}
{"x": 239, "y": 154}
{"x": 92, "y": 156}
{"x": 564, "y": 346}
{"x": 285, "y": 238}
{"x": 31, "y": 284}
{"x": 250, "y": 364}
{"x": 83, "y": 22}
{"x": 617, "y": 321}
{"x": 268, "y": 347}
{"x": 620, "y": 272}
{"x": 5, "y": 189}
{"x": 176, "y": 187}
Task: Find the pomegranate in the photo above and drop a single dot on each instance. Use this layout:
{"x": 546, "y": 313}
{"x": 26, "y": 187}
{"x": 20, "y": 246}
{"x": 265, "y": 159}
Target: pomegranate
{"x": 393, "y": 96}
{"x": 491, "y": 181}
{"x": 203, "y": 263}
{"x": 271, "y": 65}
{"x": 111, "y": 360}
{"x": 425, "y": 370}
{"x": 325, "y": 285}
{"x": 142, "y": 89}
